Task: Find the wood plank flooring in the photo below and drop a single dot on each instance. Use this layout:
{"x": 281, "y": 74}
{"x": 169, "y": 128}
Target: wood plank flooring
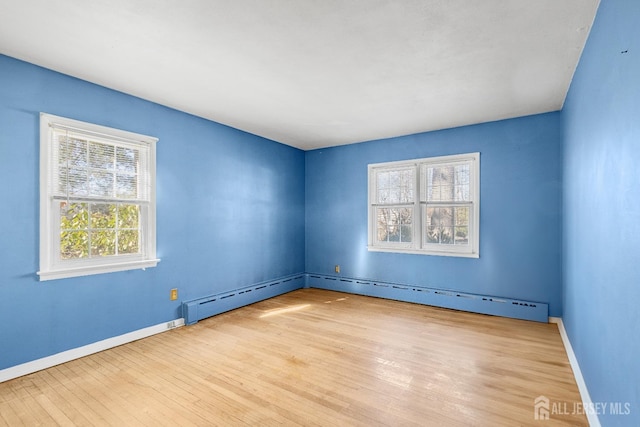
{"x": 314, "y": 358}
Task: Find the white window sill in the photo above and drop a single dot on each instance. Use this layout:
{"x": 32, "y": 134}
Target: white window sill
{"x": 64, "y": 273}
{"x": 423, "y": 252}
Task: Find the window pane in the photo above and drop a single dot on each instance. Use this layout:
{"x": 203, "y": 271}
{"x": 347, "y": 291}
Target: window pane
{"x": 440, "y": 224}
{"x": 461, "y": 229}
{"x": 101, "y": 184}
{"x": 461, "y": 236}
{"x": 103, "y": 215}
{"x": 407, "y": 195}
{"x": 128, "y": 242}
{"x": 383, "y": 224}
{"x": 444, "y": 193}
{"x": 446, "y": 235}
{"x": 103, "y": 243}
{"x": 126, "y": 159}
{"x": 383, "y": 180}
{"x": 448, "y": 183}
{"x": 126, "y": 186}
{"x": 395, "y": 186}
{"x": 74, "y": 244}
{"x": 395, "y": 195}
{"x": 439, "y": 235}
{"x": 406, "y": 233}
{"x": 73, "y": 152}
{"x": 72, "y": 182}
{"x": 128, "y": 216}
{"x": 461, "y": 193}
{"x": 462, "y": 215}
{"x": 394, "y": 224}
{"x": 440, "y": 216}
{"x": 73, "y": 216}
{"x": 74, "y": 238}
{"x": 438, "y": 179}
{"x": 101, "y": 156}
{"x": 383, "y": 196}
{"x": 432, "y": 235}
{"x": 462, "y": 174}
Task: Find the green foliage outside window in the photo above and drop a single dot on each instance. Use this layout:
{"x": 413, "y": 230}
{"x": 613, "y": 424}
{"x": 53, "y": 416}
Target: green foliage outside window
{"x": 98, "y": 229}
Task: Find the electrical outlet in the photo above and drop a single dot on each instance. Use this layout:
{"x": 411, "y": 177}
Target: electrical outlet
{"x": 337, "y": 269}
{"x": 174, "y": 294}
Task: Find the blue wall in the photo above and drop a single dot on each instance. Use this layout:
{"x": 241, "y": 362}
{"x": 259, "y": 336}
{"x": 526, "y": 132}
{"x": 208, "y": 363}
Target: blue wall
{"x": 520, "y": 211}
{"x": 230, "y": 213}
{"x": 602, "y": 209}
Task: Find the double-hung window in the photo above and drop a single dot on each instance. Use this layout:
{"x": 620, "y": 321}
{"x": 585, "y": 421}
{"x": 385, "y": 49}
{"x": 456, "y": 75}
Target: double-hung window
{"x": 97, "y": 199}
{"x": 426, "y": 206}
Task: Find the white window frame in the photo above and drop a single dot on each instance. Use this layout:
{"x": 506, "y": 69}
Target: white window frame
{"x": 418, "y": 205}
{"x": 51, "y": 264}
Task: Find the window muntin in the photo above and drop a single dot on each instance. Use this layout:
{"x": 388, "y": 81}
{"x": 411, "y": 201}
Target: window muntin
{"x": 442, "y": 221}
{"x": 97, "y": 199}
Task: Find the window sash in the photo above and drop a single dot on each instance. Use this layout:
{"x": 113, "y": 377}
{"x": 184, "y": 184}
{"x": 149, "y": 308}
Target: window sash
{"x": 125, "y": 225}
{"x": 435, "y": 189}
{"x": 78, "y": 174}
{"x": 394, "y": 186}
{"x": 398, "y": 225}
{"x": 454, "y": 230}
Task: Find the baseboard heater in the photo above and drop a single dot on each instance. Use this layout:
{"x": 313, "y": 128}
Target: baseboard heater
{"x": 210, "y": 305}
{"x": 484, "y": 304}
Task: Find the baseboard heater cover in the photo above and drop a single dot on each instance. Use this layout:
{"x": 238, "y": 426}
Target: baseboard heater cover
{"x": 210, "y": 305}
{"x": 484, "y": 304}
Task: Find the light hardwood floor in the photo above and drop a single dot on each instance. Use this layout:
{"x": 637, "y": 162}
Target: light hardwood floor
{"x": 311, "y": 357}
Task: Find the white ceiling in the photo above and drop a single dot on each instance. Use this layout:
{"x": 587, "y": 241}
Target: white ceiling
{"x": 317, "y": 73}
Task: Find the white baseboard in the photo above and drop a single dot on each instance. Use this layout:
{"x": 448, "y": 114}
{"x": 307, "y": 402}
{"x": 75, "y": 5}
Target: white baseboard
{"x": 577, "y": 373}
{"x": 76, "y": 353}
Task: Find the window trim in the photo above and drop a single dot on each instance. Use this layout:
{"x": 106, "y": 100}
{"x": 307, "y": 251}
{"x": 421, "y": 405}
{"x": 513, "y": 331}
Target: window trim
{"x": 417, "y": 246}
{"x": 51, "y": 267}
